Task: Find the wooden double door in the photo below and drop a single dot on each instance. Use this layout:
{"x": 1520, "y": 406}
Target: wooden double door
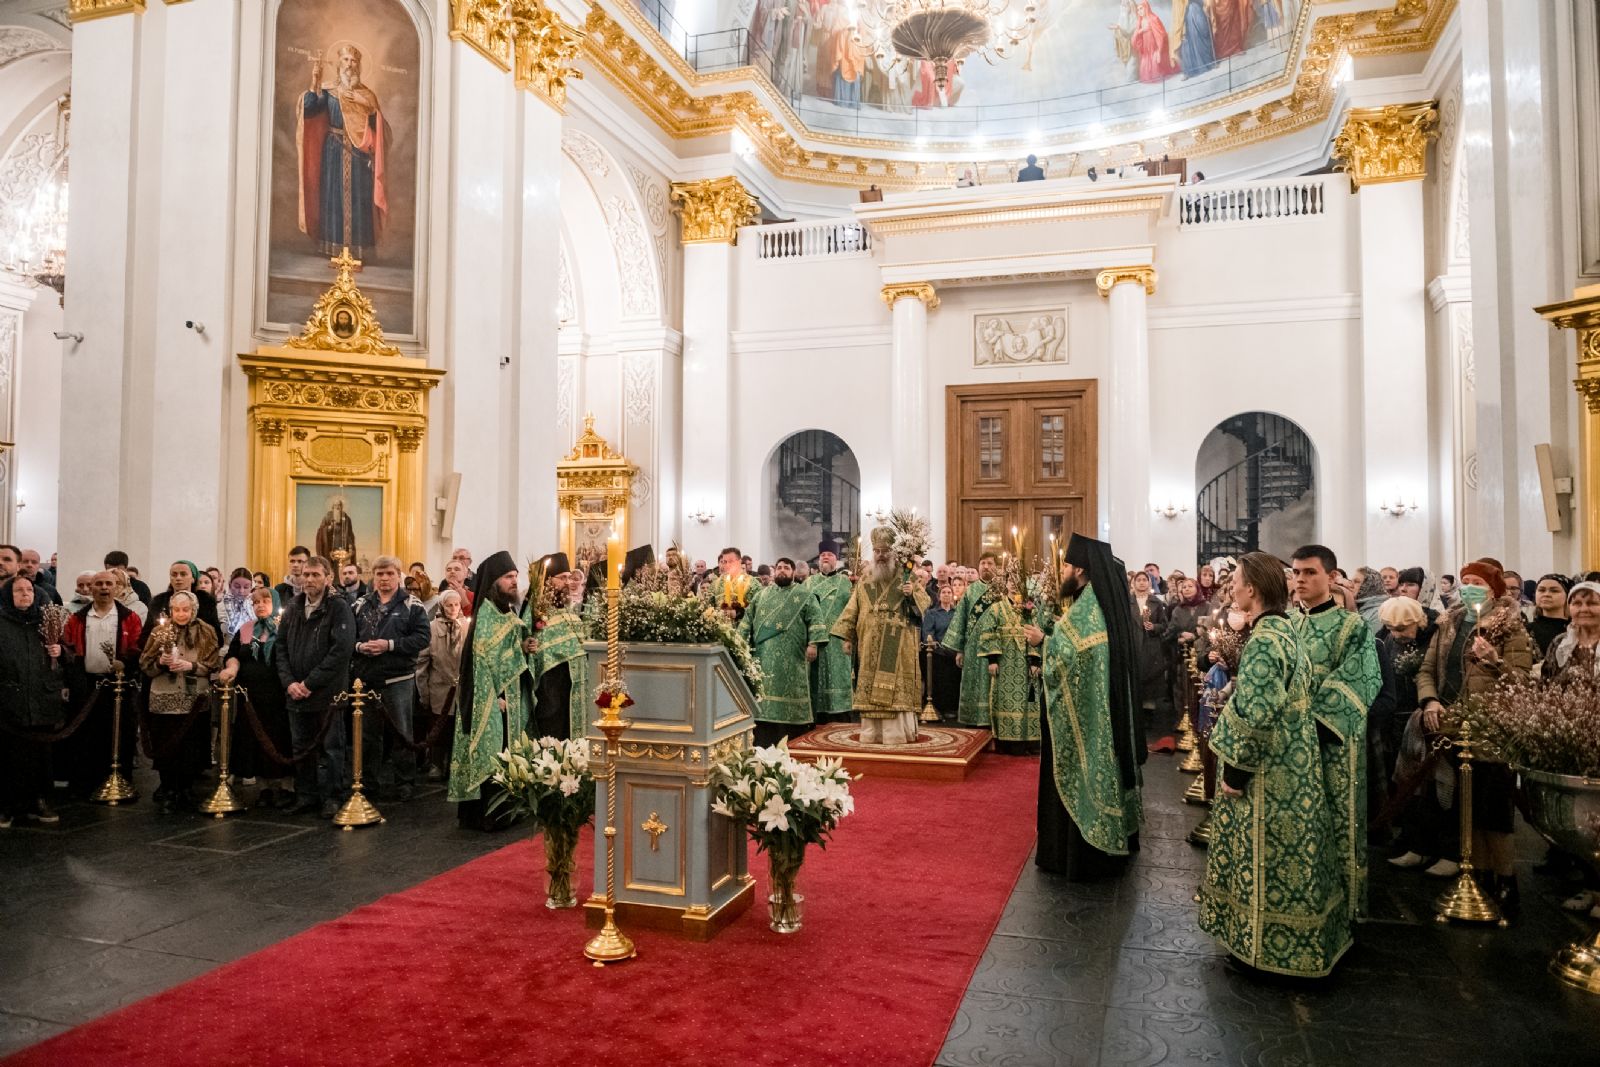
{"x": 1021, "y": 455}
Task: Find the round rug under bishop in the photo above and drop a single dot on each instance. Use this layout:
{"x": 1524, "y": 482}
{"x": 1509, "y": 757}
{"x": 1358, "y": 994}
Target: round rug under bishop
{"x": 931, "y": 740}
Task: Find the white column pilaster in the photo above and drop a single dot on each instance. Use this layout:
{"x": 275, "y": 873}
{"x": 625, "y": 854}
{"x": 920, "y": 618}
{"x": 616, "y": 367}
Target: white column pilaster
{"x": 1126, "y": 436}
{"x": 708, "y": 415}
{"x": 539, "y": 443}
{"x": 650, "y": 360}
{"x": 909, "y": 456}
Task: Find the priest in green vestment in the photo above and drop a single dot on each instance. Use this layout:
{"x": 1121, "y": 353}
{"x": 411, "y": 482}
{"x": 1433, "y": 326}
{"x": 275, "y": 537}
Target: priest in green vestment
{"x": 883, "y": 621}
{"x": 562, "y": 698}
{"x": 732, "y": 590}
{"x": 831, "y": 671}
{"x": 1345, "y": 679}
{"x": 784, "y": 629}
{"x": 1007, "y": 666}
{"x": 962, "y": 639}
{"x": 1089, "y": 803}
{"x": 1272, "y": 893}
{"x": 495, "y": 692}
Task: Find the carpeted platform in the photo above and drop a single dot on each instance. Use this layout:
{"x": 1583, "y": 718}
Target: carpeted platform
{"x": 471, "y": 968}
{"x": 940, "y": 753}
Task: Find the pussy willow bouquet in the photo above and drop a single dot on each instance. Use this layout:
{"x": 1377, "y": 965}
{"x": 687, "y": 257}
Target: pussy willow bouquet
{"x": 1541, "y": 726}
{"x": 54, "y": 623}
{"x": 548, "y": 779}
{"x": 785, "y": 804}
{"x": 913, "y": 538}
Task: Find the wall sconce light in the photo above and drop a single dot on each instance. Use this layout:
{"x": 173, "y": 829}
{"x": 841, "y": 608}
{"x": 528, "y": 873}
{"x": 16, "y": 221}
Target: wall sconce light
{"x": 703, "y": 515}
{"x": 1397, "y": 507}
{"x": 1172, "y": 510}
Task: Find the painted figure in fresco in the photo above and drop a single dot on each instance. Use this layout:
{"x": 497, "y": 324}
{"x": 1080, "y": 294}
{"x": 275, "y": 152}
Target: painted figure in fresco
{"x": 1192, "y": 43}
{"x": 1230, "y": 22}
{"x": 336, "y": 532}
{"x": 1150, "y": 45}
{"x": 340, "y": 135}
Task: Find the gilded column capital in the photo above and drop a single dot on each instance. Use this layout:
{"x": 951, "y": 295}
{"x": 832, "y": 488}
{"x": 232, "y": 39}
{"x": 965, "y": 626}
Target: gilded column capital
{"x": 270, "y": 429}
{"x": 481, "y": 25}
{"x": 1581, "y": 314}
{"x": 84, "y": 10}
{"x": 917, "y": 290}
{"x": 546, "y": 52}
{"x": 1386, "y": 144}
{"x": 409, "y": 438}
{"x": 713, "y": 209}
{"x": 1107, "y": 279}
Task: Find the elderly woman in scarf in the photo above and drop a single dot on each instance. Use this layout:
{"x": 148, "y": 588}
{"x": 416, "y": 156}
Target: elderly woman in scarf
{"x": 30, "y": 700}
{"x": 179, "y": 659}
{"x": 182, "y": 578}
{"x": 248, "y": 665}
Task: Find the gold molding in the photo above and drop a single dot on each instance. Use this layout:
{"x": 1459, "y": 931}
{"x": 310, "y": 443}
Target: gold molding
{"x": 914, "y": 290}
{"x": 1582, "y": 314}
{"x": 713, "y": 209}
{"x": 343, "y": 319}
{"x": 546, "y": 48}
{"x": 1107, "y": 279}
{"x": 84, "y": 10}
{"x": 477, "y": 23}
{"x": 1386, "y": 144}
{"x": 660, "y": 93}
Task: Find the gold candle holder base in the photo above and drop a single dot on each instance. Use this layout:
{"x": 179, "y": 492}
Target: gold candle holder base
{"x": 222, "y": 801}
{"x": 1200, "y": 836}
{"x": 1192, "y": 763}
{"x": 610, "y": 945}
{"x": 357, "y": 811}
{"x": 115, "y": 790}
{"x": 1578, "y": 964}
{"x": 1467, "y": 902}
{"x": 1196, "y": 793}
{"x": 929, "y": 713}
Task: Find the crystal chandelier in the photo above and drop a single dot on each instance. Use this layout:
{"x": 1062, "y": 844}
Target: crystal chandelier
{"x": 944, "y": 32}
{"x": 38, "y": 247}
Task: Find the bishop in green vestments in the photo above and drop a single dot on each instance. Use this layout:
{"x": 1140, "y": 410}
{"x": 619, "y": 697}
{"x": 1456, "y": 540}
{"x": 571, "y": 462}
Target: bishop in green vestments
{"x": 962, "y": 639}
{"x": 1272, "y": 894}
{"x": 883, "y": 619}
{"x": 563, "y": 699}
{"x": 495, "y": 692}
{"x": 1345, "y": 679}
{"x": 1089, "y": 802}
{"x": 784, "y": 628}
{"x": 831, "y": 672}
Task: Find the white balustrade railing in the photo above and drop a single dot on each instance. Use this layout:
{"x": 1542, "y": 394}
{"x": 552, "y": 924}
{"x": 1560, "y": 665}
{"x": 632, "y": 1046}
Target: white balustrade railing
{"x": 810, "y": 240}
{"x": 1261, "y": 201}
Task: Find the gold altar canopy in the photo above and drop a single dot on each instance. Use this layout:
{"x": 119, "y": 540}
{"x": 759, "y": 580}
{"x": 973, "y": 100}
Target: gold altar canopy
{"x": 593, "y": 485}
{"x": 338, "y": 420}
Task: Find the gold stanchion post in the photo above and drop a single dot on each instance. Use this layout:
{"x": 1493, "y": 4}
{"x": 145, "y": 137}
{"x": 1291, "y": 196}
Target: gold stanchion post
{"x": 116, "y": 788}
{"x": 358, "y": 810}
{"x": 611, "y": 945}
{"x": 929, "y": 712}
{"x": 222, "y": 800}
{"x": 1466, "y": 901}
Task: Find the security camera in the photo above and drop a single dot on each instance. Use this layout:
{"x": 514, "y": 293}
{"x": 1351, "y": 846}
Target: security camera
{"x": 197, "y": 327}
{"x": 73, "y": 336}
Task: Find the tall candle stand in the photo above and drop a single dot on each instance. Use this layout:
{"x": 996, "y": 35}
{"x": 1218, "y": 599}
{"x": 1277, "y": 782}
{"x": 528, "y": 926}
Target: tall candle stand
{"x": 929, "y": 712}
{"x": 222, "y": 800}
{"x": 611, "y": 945}
{"x": 116, "y": 788}
{"x": 358, "y": 810}
{"x": 1466, "y": 901}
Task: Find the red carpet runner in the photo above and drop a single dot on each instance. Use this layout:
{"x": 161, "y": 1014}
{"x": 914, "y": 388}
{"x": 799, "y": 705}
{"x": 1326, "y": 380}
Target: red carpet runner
{"x": 471, "y": 968}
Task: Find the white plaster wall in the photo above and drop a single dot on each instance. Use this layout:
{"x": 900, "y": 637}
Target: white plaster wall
{"x": 38, "y": 426}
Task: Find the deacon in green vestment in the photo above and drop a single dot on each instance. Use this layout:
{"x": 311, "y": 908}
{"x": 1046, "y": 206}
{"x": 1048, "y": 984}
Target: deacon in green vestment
{"x": 1272, "y": 893}
{"x": 784, "y": 628}
{"x": 495, "y": 693}
{"x": 1089, "y": 802}
{"x": 562, "y": 696}
{"x": 1345, "y": 679}
{"x": 883, "y": 618}
{"x": 962, "y": 639}
{"x": 1006, "y": 665}
{"x": 831, "y": 672}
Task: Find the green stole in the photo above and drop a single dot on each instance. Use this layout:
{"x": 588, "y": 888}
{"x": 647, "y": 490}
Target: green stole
{"x": 498, "y": 664}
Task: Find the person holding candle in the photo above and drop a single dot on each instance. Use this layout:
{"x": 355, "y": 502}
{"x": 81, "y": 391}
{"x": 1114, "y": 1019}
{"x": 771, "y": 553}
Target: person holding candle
{"x": 179, "y": 659}
{"x": 182, "y": 577}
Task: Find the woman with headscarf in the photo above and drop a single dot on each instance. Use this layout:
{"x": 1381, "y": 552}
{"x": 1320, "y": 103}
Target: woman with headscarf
{"x": 182, "y": 578}
{"x": 233, "y": 608}
{"x": 30, "y": 700}
{"x": 439, "y": 672}
{"x": 250, "y": 668}
{"x": 1369, "y": 597}
{"x": 1577, "y": 650}
{"x": 1549, "y": 612}
{"x": 125, "y": 595}
{"x": 179, "y": 659}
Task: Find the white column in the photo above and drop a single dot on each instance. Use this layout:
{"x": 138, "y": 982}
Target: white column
{"x": 708, "y": 417}
{"x": 1126, "y": 435}
{"x": 1394, "y": 374}
{"x": 909, "y": 456}
{"x": 539, "y": 445}
{"x": 650, "y": 359}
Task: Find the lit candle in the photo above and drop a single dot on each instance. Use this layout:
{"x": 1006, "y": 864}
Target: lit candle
{"x": 614, "y": 562}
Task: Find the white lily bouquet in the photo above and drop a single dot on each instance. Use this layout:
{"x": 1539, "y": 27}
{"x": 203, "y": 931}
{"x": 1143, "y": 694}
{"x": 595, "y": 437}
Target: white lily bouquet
{"x": 550, "y": 780}
{"x": 784, "y": 804}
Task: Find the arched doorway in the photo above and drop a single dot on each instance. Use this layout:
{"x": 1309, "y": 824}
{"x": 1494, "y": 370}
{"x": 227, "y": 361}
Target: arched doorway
{"x": 813, "y": 492}
{"x": 1257, "y": 479}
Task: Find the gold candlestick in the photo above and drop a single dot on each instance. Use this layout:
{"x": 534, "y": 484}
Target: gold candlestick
{"x": 116, "y": 788}
{"x": 222, "y": 800}
{"x": 358, "y": 810}
{"x": 929, "y": 712}
{"x": 1466, "y": 901}
{"x": 611, "y": 945}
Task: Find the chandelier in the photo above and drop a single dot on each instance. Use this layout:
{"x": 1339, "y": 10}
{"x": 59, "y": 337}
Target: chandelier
{"x": 943, "y": 32}
{"x": 38, "y": 247}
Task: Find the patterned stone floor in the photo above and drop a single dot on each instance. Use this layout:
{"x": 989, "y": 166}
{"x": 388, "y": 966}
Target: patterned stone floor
{"x": 1119, "y": 973}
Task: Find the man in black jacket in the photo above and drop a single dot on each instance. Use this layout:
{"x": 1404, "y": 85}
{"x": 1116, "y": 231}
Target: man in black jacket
{"x": 313, "y": 648}
{"x": 391, "y": 632}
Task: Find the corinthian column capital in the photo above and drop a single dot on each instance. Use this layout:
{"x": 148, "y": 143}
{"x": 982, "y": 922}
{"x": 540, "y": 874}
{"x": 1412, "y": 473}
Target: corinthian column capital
{"x": 1386, "y": 144}
{"x": 713, "y": 209}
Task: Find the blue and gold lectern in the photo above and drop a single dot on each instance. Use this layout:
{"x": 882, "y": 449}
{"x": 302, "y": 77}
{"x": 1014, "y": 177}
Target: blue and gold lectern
{"x": 680, "y": 867}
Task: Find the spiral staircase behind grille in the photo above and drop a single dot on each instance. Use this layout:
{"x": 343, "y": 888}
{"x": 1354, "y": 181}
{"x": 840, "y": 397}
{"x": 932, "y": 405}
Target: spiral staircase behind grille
{"x": 1278, "y": 470}
{"x": 810, "y": 487}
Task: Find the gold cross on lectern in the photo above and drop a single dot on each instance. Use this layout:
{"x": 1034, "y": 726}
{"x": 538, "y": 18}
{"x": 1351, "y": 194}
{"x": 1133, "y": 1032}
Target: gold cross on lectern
{"x": 655, "y": 828}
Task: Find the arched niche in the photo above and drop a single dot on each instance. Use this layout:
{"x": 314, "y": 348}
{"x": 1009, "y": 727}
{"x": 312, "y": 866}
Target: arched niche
{"x": 1256, "y": 487}
{"x": 811, "y": 490}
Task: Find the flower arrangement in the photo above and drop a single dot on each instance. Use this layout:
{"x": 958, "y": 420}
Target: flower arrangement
{"x": 647, "y": 615}
{"x": 54, "y": 623}
{"x": 613, "y": 694}
{"x": 550, "y": 780}
{"x": 913, "y": 538}
{"x": 1542, "y": 726}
